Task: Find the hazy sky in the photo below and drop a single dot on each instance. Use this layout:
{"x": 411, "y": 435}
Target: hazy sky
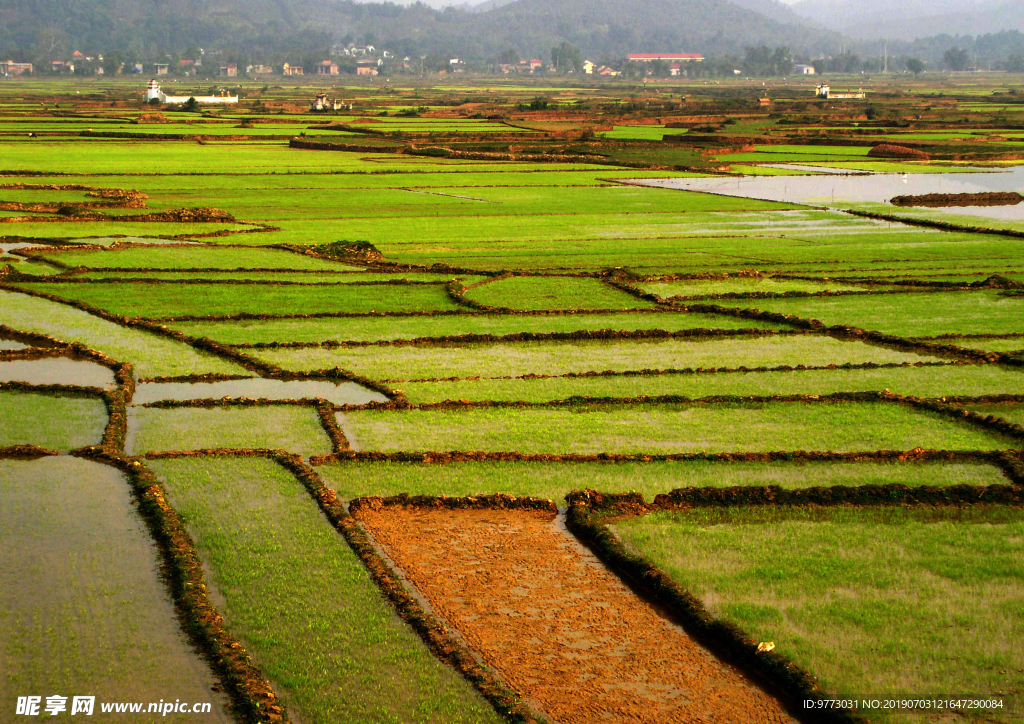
{"x": 446, "y": 3}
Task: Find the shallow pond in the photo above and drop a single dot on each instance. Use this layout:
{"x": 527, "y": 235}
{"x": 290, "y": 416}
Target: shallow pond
{"x": 833, "y": 189}
{"x": 56, "y": 371}
{"x": 342, "y": 393}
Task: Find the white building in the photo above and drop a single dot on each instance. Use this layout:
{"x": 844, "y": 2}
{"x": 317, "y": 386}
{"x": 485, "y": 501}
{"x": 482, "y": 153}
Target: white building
{"x": 153, "y": 91}
{"x": 804, "y": 70}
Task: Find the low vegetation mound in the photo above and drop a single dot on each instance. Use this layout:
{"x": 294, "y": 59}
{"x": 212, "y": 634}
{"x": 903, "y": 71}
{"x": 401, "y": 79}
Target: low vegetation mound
{"x": 987, "y": 198}
{"x": 361, "y": 250}
{"x": 890, "y": 150}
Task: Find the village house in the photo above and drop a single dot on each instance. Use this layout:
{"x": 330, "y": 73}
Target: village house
{"x": 259, "y": 69}
{"x": 607, "y": 72}
{"x": 153, "y": 92}
{"x": 823, "y": 91}
{"x": 320, "y": 104}
{"x": 327, "y": 67}
{"x": 9, "y": 68}
{"x": 229, "y": 70}
{"x": 62, "y": 66}
{"x": 365, "y": 69}
{"x": 804, "y": 69}
{"x": 588, "y": 67}
{"x": 669, "y": 57}
{"x": 161, "y": 68}
{"x": 289, "y": 69}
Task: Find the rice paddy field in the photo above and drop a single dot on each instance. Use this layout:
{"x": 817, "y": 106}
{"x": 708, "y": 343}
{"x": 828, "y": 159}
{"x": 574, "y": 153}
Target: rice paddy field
{"x": 484, "y": 414}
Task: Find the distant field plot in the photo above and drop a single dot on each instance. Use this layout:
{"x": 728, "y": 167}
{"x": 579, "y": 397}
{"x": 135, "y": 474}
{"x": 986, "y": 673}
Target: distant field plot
{"x": 82, "y": 605}
{"x": 502, "y": 197}
{"x": 81, "y": 231}
{"x": 929, "y": 381}
{"x": 554, "y": 480}
{"x": 993, "y": 344}
{"x": 196, "y": 257}
{"x": 912, "y": 315}
{"x": 310, "y": 277}
{"x": 292, "y": 428}
{"x": 301, "y": 601}
{"x": 46, "y": 420}
{"x": 522, "y": 358}
{"x": 644, "y": 133}
{"x": 876, "y": 603}
{"x": 737, "y": 285}
{"x": 553, "y": 293}
{"x": 151, "y": 356}
{"x": 838, "y": 427}
{"x": 1012, "y": 412}
{"x": 376, "y": 329}
{"x": 173, "y": 300}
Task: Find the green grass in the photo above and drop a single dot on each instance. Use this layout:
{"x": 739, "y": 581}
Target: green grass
{"x": 553, "y": 293}
{"x": 737, "y": 285}
{"x": 876, "y": 603}
{"x": 640, "y": 133}
{"x": 1007, "y": 344}
{"x": 839, "y": 427}
{"x": 151, "y": 356}
{"x": 82, "y": 231}
{"x": 939, "y": 381}
{"x": 172, "y": 300}
{"x": 1009, "y": 411}
{"x": 196, "y": 257}
{"x": 303, "y": 604}
{"x": 312, "y": 277}
{"x": 554, "y": 480}
{"x": 370, "y": 329}
{"x": 295, "y": 429}
{"x": 522, "y": 358}
{"x": 57, "y": 423}
{"x": 911, "y": 315}
{"x": 83, "y": 607}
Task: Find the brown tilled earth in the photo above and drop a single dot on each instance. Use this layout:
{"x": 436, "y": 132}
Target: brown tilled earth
{"x": 559, "y": 628}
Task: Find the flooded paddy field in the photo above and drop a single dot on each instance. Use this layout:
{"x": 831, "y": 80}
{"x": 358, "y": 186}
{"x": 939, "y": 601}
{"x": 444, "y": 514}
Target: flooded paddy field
{"x": 268, "y": 335}
{"x": 81, "y": 586}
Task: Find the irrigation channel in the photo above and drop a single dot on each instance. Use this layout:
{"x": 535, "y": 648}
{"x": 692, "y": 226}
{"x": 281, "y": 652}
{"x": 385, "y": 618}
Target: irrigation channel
{"x": 558, "y": 627}
{"x": 860, "y": 187}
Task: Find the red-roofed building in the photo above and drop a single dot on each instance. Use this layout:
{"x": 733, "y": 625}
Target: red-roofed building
{"x": 670, "y": 57}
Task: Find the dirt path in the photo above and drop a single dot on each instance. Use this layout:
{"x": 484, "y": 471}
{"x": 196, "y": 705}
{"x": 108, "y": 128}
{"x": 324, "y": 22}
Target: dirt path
{"x": 560, "y": 629}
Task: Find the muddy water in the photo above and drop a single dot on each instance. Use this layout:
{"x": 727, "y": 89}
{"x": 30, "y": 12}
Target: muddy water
{"x": 556, "y": 625}
{"x": 56, "y": 371}
{"x": 342, "y": 393}
{"x": 111, "y": 240}
{"x": 6, "y": 249}
{"x": 82, "y": 608}
{"x": 834, "y": 189}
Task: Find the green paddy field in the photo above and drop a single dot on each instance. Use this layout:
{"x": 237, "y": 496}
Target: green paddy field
{"x": 537, "y": 325}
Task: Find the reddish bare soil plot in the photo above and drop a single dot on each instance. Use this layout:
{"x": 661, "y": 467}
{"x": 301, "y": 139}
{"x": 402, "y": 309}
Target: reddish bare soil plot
{"x": 558, "y": 627}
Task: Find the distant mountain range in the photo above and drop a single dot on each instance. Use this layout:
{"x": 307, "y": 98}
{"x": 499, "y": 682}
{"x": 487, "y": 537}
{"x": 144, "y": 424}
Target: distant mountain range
{"x": 910, "y": 19}
{"x": 603, "y": 29}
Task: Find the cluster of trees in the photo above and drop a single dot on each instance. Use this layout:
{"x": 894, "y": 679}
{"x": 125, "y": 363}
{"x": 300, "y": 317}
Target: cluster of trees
{"x": 765, "y": 61}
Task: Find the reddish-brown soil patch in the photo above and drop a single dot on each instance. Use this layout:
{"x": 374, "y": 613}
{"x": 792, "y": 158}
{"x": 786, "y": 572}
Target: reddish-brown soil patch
{"x": 559, "y": 628}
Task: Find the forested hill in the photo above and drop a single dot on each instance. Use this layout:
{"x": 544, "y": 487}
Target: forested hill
{"x": 599, "y": 28}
